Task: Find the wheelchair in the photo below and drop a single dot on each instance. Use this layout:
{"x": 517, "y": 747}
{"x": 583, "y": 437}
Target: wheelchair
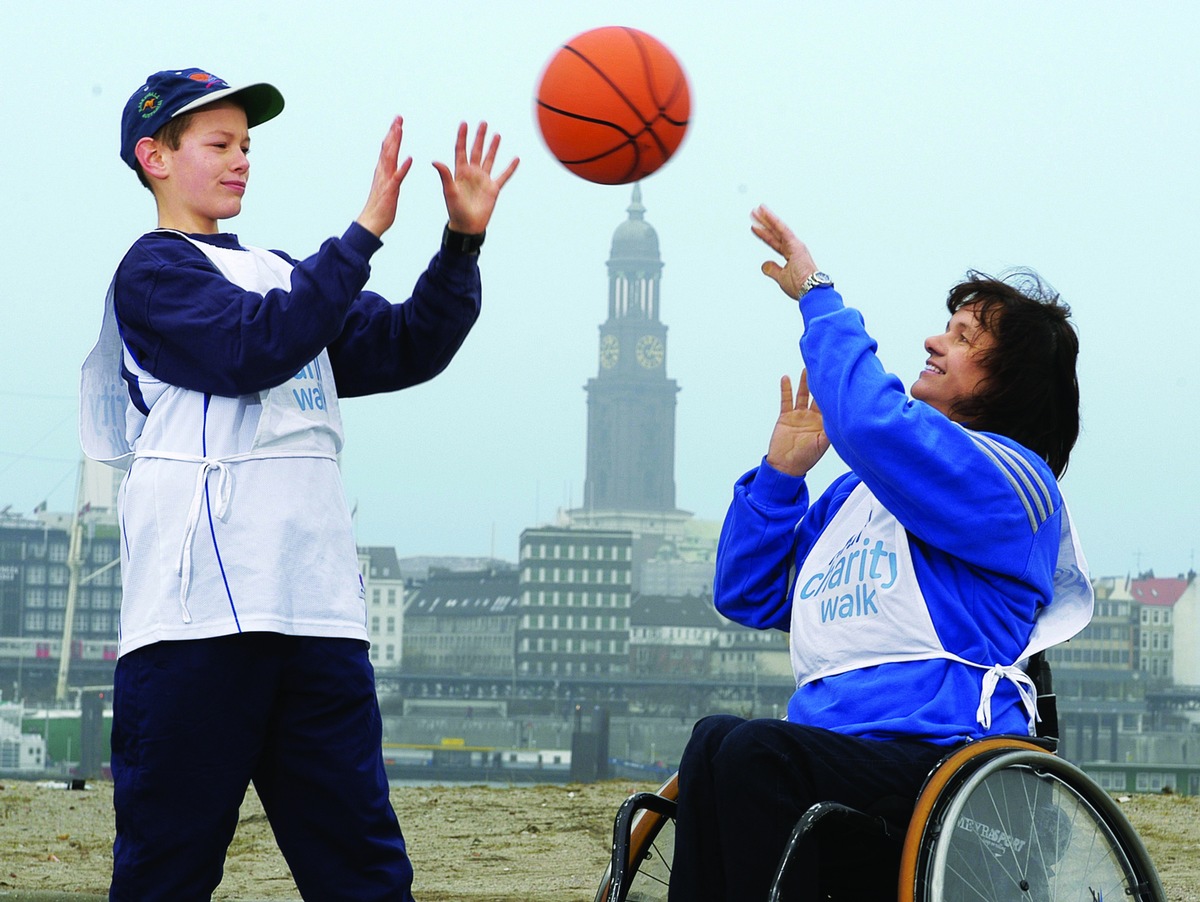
{"x": 1001, "y": 819}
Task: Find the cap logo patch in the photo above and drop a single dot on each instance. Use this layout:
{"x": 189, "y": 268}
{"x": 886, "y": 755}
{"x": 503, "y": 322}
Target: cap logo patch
{"x": 210, "y": 81}
{"x": 149, "y": 104}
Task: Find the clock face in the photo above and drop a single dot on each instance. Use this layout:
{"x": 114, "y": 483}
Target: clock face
{"x": 650, "y": 351}
{"x": 610, "y": 351}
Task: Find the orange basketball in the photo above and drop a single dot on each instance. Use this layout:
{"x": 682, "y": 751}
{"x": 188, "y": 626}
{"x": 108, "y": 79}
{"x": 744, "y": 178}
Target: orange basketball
{"x": 613, "y": 105}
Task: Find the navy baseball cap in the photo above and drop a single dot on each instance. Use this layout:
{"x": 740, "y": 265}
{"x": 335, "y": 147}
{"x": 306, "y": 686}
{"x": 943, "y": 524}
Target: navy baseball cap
{"x": 167, "y": 94}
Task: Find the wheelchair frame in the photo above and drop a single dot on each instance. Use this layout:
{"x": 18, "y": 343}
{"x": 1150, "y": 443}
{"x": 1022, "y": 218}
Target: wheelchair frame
{"x": 640, "y": 861}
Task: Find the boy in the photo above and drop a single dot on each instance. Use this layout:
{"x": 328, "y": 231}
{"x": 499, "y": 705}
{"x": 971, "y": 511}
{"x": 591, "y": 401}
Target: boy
{"x": 215, "y": 382}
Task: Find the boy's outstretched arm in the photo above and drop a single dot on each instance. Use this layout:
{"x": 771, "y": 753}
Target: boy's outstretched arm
{"x": 380, "y": 211}
{"x": 470, "y": 190}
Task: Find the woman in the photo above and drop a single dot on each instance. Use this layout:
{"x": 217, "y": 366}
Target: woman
{"x": 912, "y": 588}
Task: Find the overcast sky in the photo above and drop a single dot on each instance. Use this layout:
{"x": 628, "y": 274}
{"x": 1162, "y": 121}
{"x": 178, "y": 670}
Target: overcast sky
{"x": 906, "y": 142}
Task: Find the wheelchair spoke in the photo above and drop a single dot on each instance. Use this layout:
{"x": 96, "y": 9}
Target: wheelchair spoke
{"x": 653, "y": 875}
{"x": 1028, "y": 832}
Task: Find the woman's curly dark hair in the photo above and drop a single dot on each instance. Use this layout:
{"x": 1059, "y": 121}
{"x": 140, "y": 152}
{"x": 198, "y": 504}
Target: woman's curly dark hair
{"x": 1031, "y": 391}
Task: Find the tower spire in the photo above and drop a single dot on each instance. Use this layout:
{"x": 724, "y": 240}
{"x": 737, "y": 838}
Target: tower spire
{"x": 635, "y": 208}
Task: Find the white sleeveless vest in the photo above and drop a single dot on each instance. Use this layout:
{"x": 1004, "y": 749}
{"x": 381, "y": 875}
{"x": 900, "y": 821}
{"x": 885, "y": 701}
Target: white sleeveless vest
{"x": 856, "y": 603}
{"x": 233, "y": 515}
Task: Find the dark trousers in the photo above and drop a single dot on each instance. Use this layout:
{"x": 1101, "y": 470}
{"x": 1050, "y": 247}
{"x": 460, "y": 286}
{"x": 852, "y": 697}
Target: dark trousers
{"x": 743, "y": 785}
{"x": 195, "y": 722}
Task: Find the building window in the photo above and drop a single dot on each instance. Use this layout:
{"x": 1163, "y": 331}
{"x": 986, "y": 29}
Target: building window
{"x": 58, "y": 553}
{"x": 391, "y": 597}
{"x": 35, "y": 621}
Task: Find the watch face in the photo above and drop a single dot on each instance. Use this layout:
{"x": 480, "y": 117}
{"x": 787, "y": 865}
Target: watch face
{"x": 610, "y": 351}
{"x": 650, "y": 351}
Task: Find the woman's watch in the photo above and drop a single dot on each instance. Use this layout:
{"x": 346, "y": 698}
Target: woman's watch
{"x": 817, "y": 278}
{"x": 460, "y": 242}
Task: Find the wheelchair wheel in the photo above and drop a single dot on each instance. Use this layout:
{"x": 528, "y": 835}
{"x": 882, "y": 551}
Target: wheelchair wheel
{"x": 651, "y": 848}
{"x": 1027, "y": 826}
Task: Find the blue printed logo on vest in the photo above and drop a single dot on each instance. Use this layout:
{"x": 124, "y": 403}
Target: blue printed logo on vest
{"x": 846, "y": 588}
{"x": 309, "y": 397}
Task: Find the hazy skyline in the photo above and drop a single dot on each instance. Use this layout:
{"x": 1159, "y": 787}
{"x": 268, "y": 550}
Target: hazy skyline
{"x": 906, "y": 143}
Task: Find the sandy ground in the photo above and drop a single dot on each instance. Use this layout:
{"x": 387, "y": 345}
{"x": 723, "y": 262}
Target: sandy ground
{"x": 545, "y": 843}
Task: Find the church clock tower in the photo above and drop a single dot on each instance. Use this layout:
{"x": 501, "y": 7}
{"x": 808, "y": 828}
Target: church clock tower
{"x": 631, "y": 402}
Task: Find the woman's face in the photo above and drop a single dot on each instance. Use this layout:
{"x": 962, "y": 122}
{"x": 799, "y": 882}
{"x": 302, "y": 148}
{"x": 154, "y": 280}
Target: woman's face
{"x": 954, "y": 369}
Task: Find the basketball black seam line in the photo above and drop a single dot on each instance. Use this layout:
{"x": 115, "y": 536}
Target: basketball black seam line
{"x": 631, "y": 136}
{"x": 646, "y": 74}
{"x": 604, "y": 76}
{"x": 630, "y": 139}
{"x": 628, "y": 142}
{"x": 672, "y": 93}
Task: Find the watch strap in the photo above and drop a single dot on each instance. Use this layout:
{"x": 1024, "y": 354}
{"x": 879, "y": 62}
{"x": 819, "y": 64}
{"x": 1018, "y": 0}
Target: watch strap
{"x": 460, "y": 242}
{"x": 817, "y": 278}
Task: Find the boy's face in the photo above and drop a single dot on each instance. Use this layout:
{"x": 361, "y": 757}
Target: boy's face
{"x": 207, "y": 174}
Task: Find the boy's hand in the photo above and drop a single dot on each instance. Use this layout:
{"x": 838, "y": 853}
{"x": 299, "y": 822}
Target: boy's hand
{"x": 470, "y": 190}
{"x": 380, "y": 212}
